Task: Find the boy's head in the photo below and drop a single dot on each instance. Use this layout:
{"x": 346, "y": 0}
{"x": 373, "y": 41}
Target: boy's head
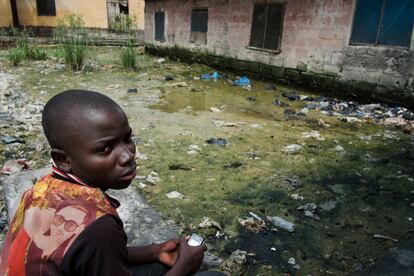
{"x": 90, "y": 137}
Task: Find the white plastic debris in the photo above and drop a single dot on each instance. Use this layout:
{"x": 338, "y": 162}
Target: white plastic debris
{"x": 282, "y": 223}
{"x": 174, "y": 195}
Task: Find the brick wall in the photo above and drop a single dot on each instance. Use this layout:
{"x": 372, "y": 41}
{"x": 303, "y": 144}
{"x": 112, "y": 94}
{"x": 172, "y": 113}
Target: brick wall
{"x": 315, "y": 40}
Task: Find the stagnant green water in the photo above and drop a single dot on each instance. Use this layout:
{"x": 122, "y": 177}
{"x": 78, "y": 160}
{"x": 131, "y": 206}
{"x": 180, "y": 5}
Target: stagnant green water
{"x": 370, "y": 180}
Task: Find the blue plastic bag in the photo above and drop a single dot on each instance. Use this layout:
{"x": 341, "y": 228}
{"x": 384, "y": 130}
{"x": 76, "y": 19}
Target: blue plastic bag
{"x": 213, "y": 75}
{"x": 242, "y": 81}
{"x": 205, "y": 76}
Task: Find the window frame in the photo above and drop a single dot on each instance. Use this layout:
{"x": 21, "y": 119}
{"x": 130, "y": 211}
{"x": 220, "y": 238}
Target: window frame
{"x": 155, "y": 27}
{"x": 279, "y": 42}
{"x": 42, "y": 13}
{"x": 193, "y": 10}
{"x": 377, "y": 44}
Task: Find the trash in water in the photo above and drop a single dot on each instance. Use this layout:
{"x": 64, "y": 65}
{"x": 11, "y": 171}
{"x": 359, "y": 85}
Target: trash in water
{"x": 291, "y": 149}
{"x": 282, "y": 223}
{"x": 215, "y": 75}
{"x": 169, "y": 77}
{"x": 242, "y": 81}
{"x": 208, "y": 222}
{"x": 270, "y": 87}
{"x": 277, "y": 102}
{"x": 233, "y": 165}
{"x": 313, "y": 134}
{"x": 174, "y": 195}
{"x": 217, "y": 141}
{"x": 11, "y": 140}
{"x": 132, "y": 90}
{"x": 291, "y": 96}
{"x": 251, "y": 98}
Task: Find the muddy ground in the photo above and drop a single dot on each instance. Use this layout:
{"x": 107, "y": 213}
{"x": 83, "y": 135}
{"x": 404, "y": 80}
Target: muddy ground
{"x": 346, "y": 184}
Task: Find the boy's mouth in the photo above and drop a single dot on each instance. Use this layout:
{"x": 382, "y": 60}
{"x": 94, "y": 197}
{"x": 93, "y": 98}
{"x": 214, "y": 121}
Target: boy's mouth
{"x": 129, "y": 174}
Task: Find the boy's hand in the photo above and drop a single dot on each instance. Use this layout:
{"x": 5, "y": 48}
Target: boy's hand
{"x": 167, "y": 251}
{"x": 190, "y": 258}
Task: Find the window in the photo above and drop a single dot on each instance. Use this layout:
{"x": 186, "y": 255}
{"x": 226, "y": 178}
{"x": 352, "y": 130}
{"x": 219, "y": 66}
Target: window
{"x": 199, "y": 26}
{"x": 159, "y": 26}
{"x": 267, "y": 25}
{"x": 46, "y": 7}
{"x": 383, "y": 22}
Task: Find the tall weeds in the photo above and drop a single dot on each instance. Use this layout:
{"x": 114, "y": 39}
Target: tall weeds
{"x": 129, "y": 56}
{"x": 72, "y": 35}
{"x": 23, "y": 50}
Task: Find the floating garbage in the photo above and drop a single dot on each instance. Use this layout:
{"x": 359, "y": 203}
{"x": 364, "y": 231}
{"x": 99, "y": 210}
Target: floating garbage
{"x": 282, "y": 223}
{"x": 208, "y": 222}
{"x": 174, "y": 195}
{"x": 242, "y": 81}
{"x": 217, "y": 141}
{"x": 132, "y": 90}
{"x": 313, "y": 134}
{"x": 169, "y": 77}
{"x": 11, "y": 140}
{"x": 215, "y": 75}
{"x": 291, "y": 149}
{"x": 277, "y": 102}
{"x": 291, "y": 96}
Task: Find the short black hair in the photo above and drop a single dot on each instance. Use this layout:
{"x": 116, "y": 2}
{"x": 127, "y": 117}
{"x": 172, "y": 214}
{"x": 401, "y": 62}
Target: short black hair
{"x": 61, "y": 109}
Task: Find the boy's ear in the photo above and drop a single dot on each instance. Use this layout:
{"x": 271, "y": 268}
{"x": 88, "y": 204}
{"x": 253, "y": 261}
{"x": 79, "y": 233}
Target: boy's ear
{"x": 61, "y": 160}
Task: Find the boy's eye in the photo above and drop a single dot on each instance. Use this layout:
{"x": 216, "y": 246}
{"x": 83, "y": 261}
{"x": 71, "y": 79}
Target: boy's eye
{"x": 104, "y": 150}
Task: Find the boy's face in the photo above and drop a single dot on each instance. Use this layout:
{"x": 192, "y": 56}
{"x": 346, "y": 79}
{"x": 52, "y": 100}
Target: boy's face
{"x": 100, "y": 149}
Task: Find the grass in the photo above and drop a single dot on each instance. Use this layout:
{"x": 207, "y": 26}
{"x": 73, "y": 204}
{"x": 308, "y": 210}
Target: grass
{"x": 129, "y": 56}
{"x": 71, "y": 34}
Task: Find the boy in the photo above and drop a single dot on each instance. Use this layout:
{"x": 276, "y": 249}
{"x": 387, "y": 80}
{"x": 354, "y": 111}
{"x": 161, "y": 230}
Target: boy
{"x": 66, "y": 223}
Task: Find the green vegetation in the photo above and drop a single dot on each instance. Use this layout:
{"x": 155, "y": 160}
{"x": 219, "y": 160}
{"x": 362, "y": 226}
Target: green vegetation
{"x": 23, "y": 50}
{"x": 72, "y": 35}
{"x": 15, "y": 56}
{"x": 129, "y": 56}
{"x": 123, "y": 23}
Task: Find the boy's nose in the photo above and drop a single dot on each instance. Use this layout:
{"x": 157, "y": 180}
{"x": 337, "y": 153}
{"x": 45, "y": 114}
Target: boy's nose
{"x": 127, "y": 155}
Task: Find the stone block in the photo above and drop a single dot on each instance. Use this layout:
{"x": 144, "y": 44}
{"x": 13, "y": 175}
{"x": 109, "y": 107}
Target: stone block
{"x": 292, "y": 74}
{"x": 302, "y": 67}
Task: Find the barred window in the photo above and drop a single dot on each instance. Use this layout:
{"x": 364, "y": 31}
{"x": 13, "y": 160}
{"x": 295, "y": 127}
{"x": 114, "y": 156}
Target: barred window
{"x": 267, "y": 25}
{"x": 46, "y": 7}
{"x": 159, "y": 26}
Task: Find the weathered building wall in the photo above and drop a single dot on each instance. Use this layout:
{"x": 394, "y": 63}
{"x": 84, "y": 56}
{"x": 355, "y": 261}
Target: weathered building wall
{"x": 136, "y": 10}
{"x": 314, "y": 47}
{"x": 5, "y": 14}
{"x": 94, "y": 13}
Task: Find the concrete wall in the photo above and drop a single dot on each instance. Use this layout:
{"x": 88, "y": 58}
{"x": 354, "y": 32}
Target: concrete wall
{"x": 136, "y": 10}
{"x": 315, "y": 42}
{"x": 94, "y": 13}
{"x": 6, "y": 19}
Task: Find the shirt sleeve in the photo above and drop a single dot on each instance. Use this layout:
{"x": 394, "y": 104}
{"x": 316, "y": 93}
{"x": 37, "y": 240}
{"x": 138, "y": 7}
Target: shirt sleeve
{"x": 99, "y": 250}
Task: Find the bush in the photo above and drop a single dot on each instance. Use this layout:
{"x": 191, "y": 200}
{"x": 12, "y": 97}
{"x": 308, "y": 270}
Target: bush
{"x": 15, "y": 56}
{"x": 36, "y": 54}
{"x": 128, "y": 56}
{"x": 71, "y": 34}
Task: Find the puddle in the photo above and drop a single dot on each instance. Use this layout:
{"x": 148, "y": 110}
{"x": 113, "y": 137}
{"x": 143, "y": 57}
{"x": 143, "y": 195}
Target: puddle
{"x": 361, "y": 188}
